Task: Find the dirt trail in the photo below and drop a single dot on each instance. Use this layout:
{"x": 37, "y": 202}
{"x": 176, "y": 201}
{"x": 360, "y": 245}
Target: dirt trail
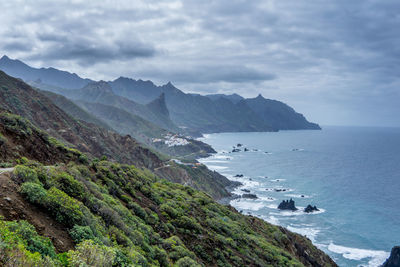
{"x": 14, "y": 207}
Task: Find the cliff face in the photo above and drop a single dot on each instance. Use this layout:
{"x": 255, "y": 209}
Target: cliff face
{"x": 394, "y": 259}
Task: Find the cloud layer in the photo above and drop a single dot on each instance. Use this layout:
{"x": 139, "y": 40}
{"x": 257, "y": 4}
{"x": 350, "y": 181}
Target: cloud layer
{"x": 336, "y": 61}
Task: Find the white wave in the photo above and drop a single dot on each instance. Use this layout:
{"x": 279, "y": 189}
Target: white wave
{"x": 297, "y": 196}
{"x": 216, "y": 167}
{"x": 309, "y": 232}
{"x": 212, "y": 161}
{"x": 376, "y": 257}
{"x": 299, "y": 212}
{"x": 271, "y": 219}
{"x": 269, "y": 199}
{"x": 242, "y": 204}
{"x": 278, "y": 180}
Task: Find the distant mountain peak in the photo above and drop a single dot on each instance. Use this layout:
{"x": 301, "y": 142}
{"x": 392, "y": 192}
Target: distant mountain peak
{"x": 5, "y": 57}
{"x": 158, "y": 105}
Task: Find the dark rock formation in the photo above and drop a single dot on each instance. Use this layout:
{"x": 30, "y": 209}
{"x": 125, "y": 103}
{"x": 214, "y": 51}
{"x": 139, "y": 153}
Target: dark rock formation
{"x": 236, "y": 150}
{"x": 310, "y": 208}
{"x": 246, "y": 149}
{"x": 238, "y": 175}
{"x": 287, "y": 205}
{"x": 239, "y": 145}
{"x": 251, "y": 196}
{"x": 246, "y": 190}
{"x": 394, "y": 259}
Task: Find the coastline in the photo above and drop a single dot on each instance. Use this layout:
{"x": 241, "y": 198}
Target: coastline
{"x": 356, "y": 254}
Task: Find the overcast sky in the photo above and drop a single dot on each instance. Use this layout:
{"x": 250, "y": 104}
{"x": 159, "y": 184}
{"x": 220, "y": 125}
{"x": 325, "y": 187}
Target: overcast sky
{"x": 338, "y": 62}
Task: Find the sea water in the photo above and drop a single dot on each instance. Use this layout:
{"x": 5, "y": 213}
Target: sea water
{"x": 352, "y": 175}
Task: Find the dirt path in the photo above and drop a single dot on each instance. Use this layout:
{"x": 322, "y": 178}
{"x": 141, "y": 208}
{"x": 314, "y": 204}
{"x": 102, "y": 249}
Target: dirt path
{"x": 14, "y": 207}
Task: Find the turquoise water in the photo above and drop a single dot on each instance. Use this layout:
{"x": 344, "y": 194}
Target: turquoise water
{"x": 351, "y": 174}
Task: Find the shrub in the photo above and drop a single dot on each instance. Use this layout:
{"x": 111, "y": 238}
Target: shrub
{"x": 88, "y": 253}
{"x": 187, "y": 223}
{"x": 65, "y": 209}
{"x": 34, "y": 242}
{"x": 186, "y": 262}
{"x": 69, "y": 185}
{"x": 138, "y": 210}
{"x": 33, "y": 192}
{"x": 24, "y": 174}
{"x": 80, "y": 233}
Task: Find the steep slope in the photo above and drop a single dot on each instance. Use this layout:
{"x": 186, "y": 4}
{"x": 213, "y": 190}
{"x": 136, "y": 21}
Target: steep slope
{"x": 101, "y": 92}
{"x": 48, "y": 76}
{"x": 74, "y": 110}
{"x": 19, "y": 98}
{"x": 279, "y": 115}
{"x": 123, "y": 216}
{"x": 191, "y": 110}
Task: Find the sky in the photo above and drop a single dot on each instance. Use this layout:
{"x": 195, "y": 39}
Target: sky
{"x": 337, "y": 62}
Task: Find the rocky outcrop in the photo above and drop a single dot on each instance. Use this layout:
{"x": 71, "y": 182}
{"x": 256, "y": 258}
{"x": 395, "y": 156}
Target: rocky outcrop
{"x": 251, "y": 196}
{"x": 394, "y": 259}
{"x": 287, "y": 205}
{"x": 310, "y": 208}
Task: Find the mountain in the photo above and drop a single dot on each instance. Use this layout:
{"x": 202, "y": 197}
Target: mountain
{"x": 193, "y": 111}
{"x": 19, "y": 98}
{"x": 279, "y": 115}
{"x": 101, "y": 92}
{"x": 49, "y": 76}
{"x": 235, "y": 98}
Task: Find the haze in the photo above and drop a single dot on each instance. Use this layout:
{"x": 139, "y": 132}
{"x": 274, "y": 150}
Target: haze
{"x": 337, "y": 62}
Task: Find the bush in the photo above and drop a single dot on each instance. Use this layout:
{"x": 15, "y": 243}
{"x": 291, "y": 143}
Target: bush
{"x": 88, "y": 253}
{"x": 138, "y": 210}
{"x": 81, "y": 233}
{"x": 24, "y": 174}
{"x": 69, "y": 185}
{"x": 34, "y": 242}
{"x": 186, "y": 262}
{"x": 33, "y": 192}
{"x": 65, "y": 209}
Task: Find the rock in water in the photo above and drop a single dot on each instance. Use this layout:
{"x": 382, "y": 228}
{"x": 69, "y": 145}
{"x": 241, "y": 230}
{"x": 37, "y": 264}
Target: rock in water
{"x": 236, "y": 150}
{"x": 310, "y": 208}
{"x": 251, "y": 196}
{"x": 287, "y": 205}
{"x": 394, "y": 259}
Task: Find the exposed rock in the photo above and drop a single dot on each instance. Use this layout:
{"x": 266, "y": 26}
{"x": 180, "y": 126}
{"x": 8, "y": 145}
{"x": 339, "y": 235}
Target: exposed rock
{"x": 246, "y": 190}
{"x": 238, "y": 175}
{"x": 246, "y": 149}
{"x": 8, "y": 199}
{"x": 310, "y": 208}
{"x": 236, "y": 150}
{"x": 287, "y": 205}
{"x": 239, "y": 145}
{"x": 394, "y": 259}
{"x": 251, "y": 196}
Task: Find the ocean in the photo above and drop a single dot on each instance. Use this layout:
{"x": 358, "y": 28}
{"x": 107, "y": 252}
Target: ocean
{"x": 352, "y": 174}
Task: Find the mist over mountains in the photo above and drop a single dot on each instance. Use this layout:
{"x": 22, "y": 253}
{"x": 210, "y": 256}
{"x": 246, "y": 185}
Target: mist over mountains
{"x": 175, "y": 110}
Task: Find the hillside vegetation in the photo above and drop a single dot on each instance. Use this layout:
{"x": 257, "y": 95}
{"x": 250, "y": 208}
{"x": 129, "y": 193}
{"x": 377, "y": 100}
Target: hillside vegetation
{"x": 118, "y": 215}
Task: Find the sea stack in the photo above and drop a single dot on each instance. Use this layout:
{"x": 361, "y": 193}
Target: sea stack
{"x": 310, "y": 208}
{"x": 287, "y": 205}
{"x": 394, "y": 259}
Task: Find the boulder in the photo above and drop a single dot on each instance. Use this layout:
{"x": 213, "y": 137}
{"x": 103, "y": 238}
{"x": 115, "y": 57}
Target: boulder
{"x": 251, "y": 196}
{"x": 310, "y": 208}
{"x": 239, "y": 145}
{"x": 246, "y": 190}
{"x": 287, "y": 205}
{"x": 394, "y": 259}
{"x": 246, "y": 149}
{"x": 236, "y": 150}
{"x": 238, "y": 175}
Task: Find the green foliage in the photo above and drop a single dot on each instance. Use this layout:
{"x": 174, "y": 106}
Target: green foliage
{"x": 186, "y": 262}
{"x": 88, "y": 253}
{"x": 81, "y": 233}
{"x": 24, "y": 174}
{"x": 34, "y": 192}
{"x": 34, "y": 242}
{"x": 122, "y": 216}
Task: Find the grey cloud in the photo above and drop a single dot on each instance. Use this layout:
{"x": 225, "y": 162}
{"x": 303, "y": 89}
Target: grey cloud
{"x": 334, "y": 54}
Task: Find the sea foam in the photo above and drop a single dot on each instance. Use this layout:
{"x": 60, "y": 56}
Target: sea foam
{"x": 376, "y": 257}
